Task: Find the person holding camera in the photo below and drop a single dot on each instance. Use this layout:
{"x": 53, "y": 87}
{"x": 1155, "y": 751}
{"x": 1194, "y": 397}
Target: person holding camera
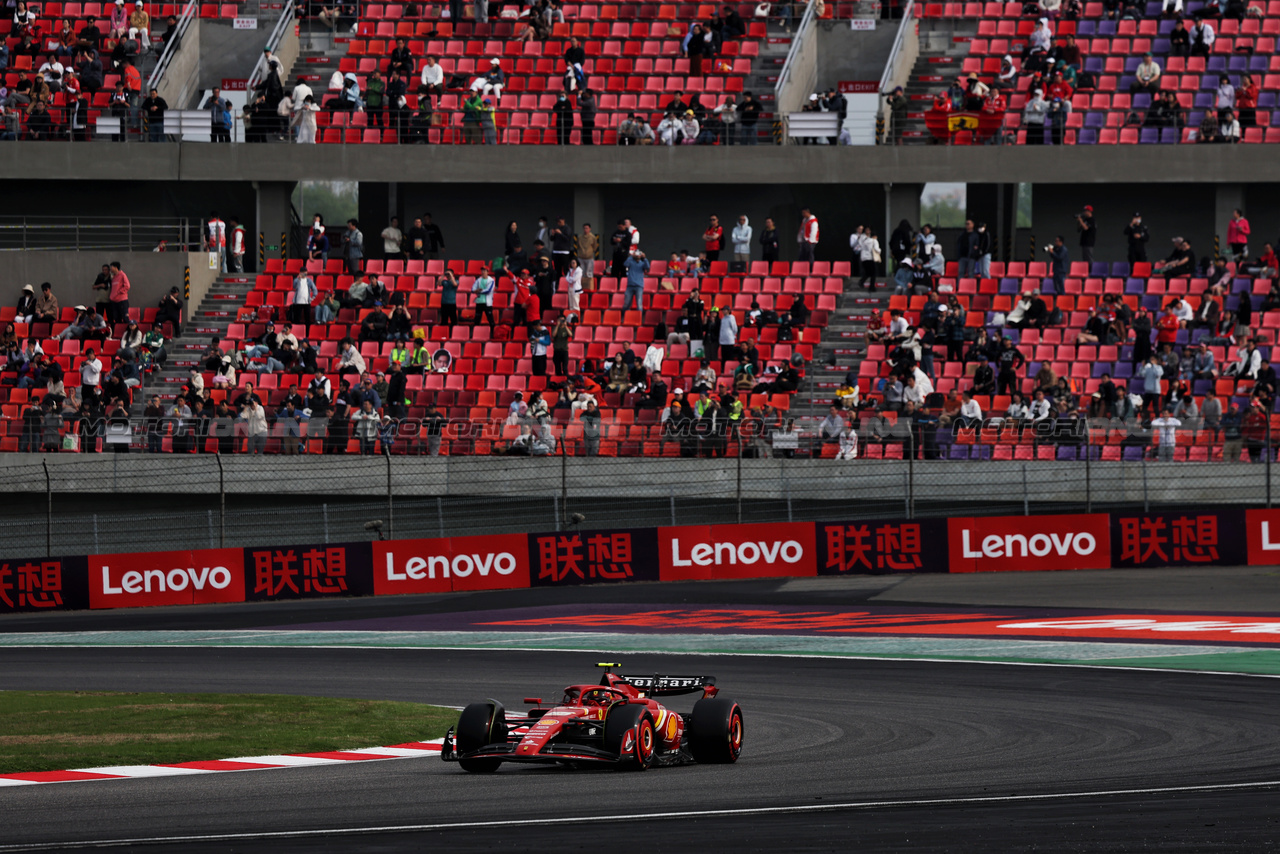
{"x": 636, "y": 267}
{"x": 1060, "y": 259}
{"x": 1088, "y": 233}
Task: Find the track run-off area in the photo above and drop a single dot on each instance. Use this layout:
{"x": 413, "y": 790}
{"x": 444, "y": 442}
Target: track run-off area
{"x": 1105, "y": 710}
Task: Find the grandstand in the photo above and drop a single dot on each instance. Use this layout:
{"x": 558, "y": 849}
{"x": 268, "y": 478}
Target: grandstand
{"x": 973, "y": 38}
{"x": 632, "y": 59}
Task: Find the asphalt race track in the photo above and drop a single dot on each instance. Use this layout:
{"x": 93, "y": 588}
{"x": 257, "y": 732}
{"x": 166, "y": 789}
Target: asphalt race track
{"x": 839, "y": 755}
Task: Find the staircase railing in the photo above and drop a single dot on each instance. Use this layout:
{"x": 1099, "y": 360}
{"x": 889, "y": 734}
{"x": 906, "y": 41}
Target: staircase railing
{"x": 799, "y": 73}
{"x": 171, "y": 47}
{"x": 282, "y": 31}
{"x": 902, "y": 58}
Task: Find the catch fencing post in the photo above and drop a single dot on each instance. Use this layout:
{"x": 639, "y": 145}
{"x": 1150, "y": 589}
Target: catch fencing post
{"x": 1088, "y": 477}
{"x": 1146, "y": 504}
{"x": 911, "y": 474}
{"x": 1026, "y": 501}
{"x": 1268, "y": 461}
{"x": 739, "y": 478}
{"x": 564, "y": 480}
{"x": 48, "y": 516}
{"x": 386, "y": 452}
{"x": 222, "y": 504}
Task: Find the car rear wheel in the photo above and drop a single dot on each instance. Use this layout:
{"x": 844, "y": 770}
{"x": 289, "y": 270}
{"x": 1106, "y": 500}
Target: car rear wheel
{"x": 628, "y": 731}
{"x": 715, "y": 731}
{"x": 479, "y": 725}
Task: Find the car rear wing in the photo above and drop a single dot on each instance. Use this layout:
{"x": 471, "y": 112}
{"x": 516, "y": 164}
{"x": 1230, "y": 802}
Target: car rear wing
{"x": 667, "y": 686}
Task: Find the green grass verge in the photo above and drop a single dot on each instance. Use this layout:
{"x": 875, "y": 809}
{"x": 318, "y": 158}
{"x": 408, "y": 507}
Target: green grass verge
{"x": 48, "y": 731}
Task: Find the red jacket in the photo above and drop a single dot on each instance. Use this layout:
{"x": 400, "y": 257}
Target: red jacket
{"x": 119, "y": 287}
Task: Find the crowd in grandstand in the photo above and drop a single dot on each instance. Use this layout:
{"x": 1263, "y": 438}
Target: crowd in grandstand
{"x": 341, "y": 351}
{"x": 57, "y": 74}
{"x": 1152, "y": 72}
{"x": 1074, "y": 355}
{"x": 358, "y": 390}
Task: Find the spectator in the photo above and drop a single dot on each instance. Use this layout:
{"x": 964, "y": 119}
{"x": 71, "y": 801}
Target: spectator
{"x": 728, "y": 337}
{"x": 1202, "y": 38}
{"x": 636, "y": 267}
{"x": 1146, "y": 76}
{"x": 1033, "y": 117}
{"x": 87, "y": 325}
{"x": 1137, "y": 235}
{"x": 350, "y": 360}
{"x": 1060, "y": 259}
{"x": 1228, "y": 128}
{"x": 1266, "y": 265}
{"x": 26, "y": 309}
{"x": 869, "y": 254}
{"x": 1151, "y": 387}
{"x": 587, "y": 110}
{"x": 1247, "y": 101}
{"x": 353, "y": 248}
{"x": 46, "y": 309}
{"x": 1167, "y": 429}
{"x": 1224, "y": 97}
{"x": 1181, "y": 262}
{"x": 808, "y": 235}
{"x": 170, "y": 311}
{"x": 1011, "y": 361}
{"x": 1202, "y": 363}
{"x": 493, "y": 80}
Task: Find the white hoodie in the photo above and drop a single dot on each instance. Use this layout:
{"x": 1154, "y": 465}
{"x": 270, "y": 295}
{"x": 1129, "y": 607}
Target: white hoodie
{"x": 742, "y": 238}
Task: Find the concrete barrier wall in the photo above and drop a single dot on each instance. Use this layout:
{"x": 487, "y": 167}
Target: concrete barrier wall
{"x": 151, "y": 274}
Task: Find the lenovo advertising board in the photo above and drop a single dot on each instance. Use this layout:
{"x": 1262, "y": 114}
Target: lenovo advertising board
{"x": 166, "y": 578}
{"x": 1192, "y": 537}
{"x": 593, "y": 557}
{"x": 315, "y": 571}
{"x": 882, "y": 547}
{"x": 737, "y": 551}
{"x": 1029, "y": 543}
{"x": 43, "y": 584}
{"x": 450, "y": 564}
{"x": 1262, "y": 536}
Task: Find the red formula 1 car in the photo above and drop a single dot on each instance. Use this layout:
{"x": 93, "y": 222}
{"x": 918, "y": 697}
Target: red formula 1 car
{"x": 617, "y": 722}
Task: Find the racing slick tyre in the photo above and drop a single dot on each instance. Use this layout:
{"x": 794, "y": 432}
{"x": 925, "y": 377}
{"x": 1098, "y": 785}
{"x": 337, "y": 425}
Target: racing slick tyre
{"x": 481, "y": 724}
{"x": 715, "y": 731}
{"x": 629, "y": 732}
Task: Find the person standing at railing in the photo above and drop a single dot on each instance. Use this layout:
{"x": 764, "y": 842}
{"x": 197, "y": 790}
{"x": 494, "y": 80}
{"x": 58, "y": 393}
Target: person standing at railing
{"x": 216, "y": 236}
{"x": 119, "y": 295}
{"x": 807, "y": 238}
{"x": 170, "y": 35}
{"x": 237, "y": 245}
{"x": 748, "y": 117}
{"x": 219, "y": 121}
{"x": 153, "y": 109}
{"x": 305, "y": 118}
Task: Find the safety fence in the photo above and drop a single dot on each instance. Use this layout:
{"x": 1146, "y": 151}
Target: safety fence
{"x": 1183, "y": 537}
{"x": 86, "y": 233}
{"x": 106, "y": 503}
